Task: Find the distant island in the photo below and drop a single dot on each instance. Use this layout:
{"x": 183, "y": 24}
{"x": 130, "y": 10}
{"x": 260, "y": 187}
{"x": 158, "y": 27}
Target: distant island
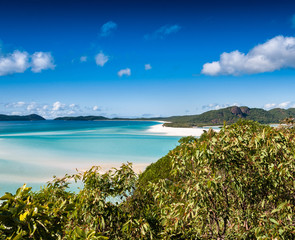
{"x": 83, "y": 118}
{"x": 31, "y": 117}
{"x": 211, "y": 118}
{"x": 101, "y": 118}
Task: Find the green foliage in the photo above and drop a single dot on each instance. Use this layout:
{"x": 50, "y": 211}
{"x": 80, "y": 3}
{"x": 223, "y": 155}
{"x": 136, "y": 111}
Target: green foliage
{"x": 231, "y": 115}
{"x": 235, "y": 184}
{"x": 82, "y": 118}
{"x": 158, "y": 170}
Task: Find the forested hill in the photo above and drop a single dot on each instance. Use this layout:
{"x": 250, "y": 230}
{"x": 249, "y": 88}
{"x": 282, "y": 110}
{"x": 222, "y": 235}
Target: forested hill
{"x": 31, "y": 117}
{"x": 83, "y": 118}
{"x": 231, "y": 115}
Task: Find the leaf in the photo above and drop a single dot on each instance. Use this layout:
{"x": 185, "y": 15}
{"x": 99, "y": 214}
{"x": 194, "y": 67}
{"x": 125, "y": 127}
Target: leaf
{"x": 7, "y": 196}
{"x": 274, "y": 221}
{"x": 18, "y": 236}
{"x": 23, "y": 216}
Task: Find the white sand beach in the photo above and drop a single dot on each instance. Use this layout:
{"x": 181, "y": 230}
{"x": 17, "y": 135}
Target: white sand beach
{"x": 182, "y": 132}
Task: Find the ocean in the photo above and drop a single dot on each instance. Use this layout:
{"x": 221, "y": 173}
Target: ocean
{"x": 33, "y": 152}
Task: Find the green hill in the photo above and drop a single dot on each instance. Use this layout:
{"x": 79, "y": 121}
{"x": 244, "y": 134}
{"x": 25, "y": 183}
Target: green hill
{"x": 83, "y": 118}
{"x": 231, "y": 115}
{"x": 31, "y": 117}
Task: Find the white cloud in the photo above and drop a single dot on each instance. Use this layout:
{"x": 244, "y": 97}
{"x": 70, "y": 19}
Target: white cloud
{"x": 20, "y": 104}
{"x": 32, "y": 107}
{"x": 57, "y": 106}
{"x": 59, "y": 109}
{"x": 19, "y": 62}
{"x": 147, "y": 67}
{"x": 108, "y": 28}
{"x": 42, "y": 61}
{"x": 95, "y": 108}
{"x": 270, "y": 105}
{"x": 16, "y": 62}
{"x": 274, "y": 54}
{"x": 211, "y": 68}
{"x": 216, "y": 106}
{"x": 163, "y": 31}
{"x": 101, "y": 59}
{"x": 15, "y": 105}
{"x": 287, "y": 104}
{"x": 83, "y": 58}
{"x": 125, "y": 71}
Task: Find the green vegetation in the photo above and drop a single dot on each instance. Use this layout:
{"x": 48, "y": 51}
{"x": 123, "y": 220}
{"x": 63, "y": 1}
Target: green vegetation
{"x": 83, "y": 118}
{"x": 231, "y": 115}
{"x": 31, "y": 117}
{"x": 238, "y": 183}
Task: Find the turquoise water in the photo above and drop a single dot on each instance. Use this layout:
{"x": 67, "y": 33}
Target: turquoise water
{"x": 32, "y": 152}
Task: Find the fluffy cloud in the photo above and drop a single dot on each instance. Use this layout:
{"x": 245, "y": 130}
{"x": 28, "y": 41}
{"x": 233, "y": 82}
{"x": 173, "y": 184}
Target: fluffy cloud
{"x": 108, "y": 28}
{"x": 57, "y": 106}
{"x": 163, "y": 31}
{"x": 16, "y": 62}
{"x": 216, "y": 106}
{"x": 15, "y": 105}
{"x": 19, "y": 62}
{"x": 96, "y": 108}
{"x": 125, "y": 71}
{"x": 101, "y": 59}
{"x": 147, "y": 67}
{"x": 276, "y": 53}
{"x": 42, "y": 61}
{"x": 32, "y": 107}
{"x": 270, "y": 105}
{"x": 287, "y": 104}
{"x": 83, "y": 58}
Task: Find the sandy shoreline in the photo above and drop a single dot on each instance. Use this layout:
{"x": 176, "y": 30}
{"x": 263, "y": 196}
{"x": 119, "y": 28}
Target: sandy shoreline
{"x": 170, "y": 131}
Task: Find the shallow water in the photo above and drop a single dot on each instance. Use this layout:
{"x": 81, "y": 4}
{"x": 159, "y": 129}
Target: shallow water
{"x": 32, "y": 152}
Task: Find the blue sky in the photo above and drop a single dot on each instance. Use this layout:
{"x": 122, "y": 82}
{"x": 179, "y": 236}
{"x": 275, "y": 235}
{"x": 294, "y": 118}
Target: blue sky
{"x": 145, "y": 58}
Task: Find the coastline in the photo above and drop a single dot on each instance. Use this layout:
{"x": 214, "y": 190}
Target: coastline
{"x": 159, "y": 129}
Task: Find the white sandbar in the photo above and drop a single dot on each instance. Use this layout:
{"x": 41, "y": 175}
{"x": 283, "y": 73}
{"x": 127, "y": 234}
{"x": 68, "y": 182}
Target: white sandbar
{"x": 170, "y": 131}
